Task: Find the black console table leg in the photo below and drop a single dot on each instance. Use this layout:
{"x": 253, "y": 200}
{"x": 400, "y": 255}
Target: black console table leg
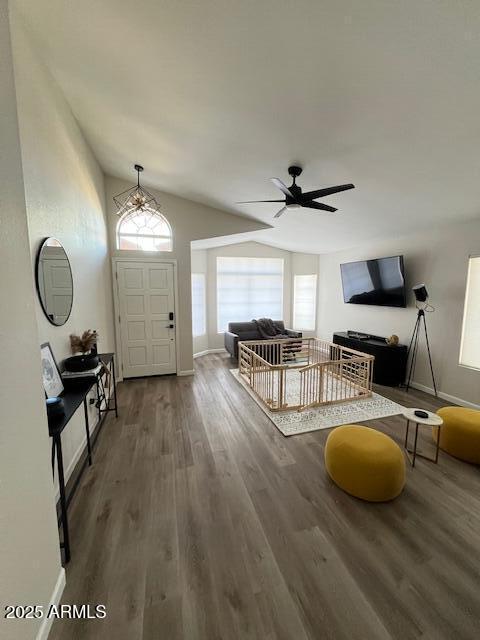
{"x": 63, "y": 501}
{"x": 87, "y": 428}
{"x": 114, "y": 386}
{"x": 53, "y": 458}
{"x": 99, "y": 402}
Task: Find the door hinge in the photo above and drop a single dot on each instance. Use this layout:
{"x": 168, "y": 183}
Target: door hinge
{"x": 119, "y": 319}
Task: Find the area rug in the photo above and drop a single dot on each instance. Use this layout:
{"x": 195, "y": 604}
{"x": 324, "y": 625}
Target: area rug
{"x": 292, "y": 423}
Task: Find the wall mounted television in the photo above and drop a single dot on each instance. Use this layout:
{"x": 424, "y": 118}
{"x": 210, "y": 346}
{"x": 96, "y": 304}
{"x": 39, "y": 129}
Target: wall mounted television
{"x": 378, "y": 282}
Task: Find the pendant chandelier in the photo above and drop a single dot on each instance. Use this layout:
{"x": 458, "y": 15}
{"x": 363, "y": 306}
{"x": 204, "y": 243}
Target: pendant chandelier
{"x": 136, "y": 199}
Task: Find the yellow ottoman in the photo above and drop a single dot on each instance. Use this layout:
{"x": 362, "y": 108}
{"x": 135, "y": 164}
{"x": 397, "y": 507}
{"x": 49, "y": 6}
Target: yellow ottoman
{"x": 460, "y": 434}
{"x": 365, "y": 463}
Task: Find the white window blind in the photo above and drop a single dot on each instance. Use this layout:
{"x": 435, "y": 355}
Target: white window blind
{"x": 248, "y": 288}
{"x": 304, "y": 302}
{"x": 470, "y": 345}
{"x": 198, "y": 305}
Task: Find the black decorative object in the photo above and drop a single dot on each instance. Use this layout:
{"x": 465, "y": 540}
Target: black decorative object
{"x": 420, "y": 414}
{"x": 82, "y": 362}
{"x": 84, "y": 349}
{"x": 54, "y": 282}
{"x": 137, "y": 198}
{"x": 295, "y": 199}
{"x": 55, "y": 407}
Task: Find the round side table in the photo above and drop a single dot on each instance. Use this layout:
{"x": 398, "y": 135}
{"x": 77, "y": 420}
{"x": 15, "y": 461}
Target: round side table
{"x": 431, "y": 421}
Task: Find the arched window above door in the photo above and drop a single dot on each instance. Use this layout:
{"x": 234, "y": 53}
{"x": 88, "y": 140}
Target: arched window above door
{"x": 144, "y": 231}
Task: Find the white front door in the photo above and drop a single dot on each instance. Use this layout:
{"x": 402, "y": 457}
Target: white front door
{"x": 147, "y": 318}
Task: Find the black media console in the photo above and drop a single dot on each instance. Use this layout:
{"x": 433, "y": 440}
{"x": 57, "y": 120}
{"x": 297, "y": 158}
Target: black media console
{"x": 390, "y": 362}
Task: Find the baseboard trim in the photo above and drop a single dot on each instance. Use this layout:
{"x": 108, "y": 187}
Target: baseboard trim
{"x": 445, "y": 396}
{"x": 54, "y": 600}
{"x": 188, "y": 372}
{"x": 207, "y": 351}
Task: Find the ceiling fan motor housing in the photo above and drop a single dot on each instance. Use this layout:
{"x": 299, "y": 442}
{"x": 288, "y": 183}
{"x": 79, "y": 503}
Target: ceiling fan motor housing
{"x": 294, "y": 189}
{"x": 296, "y": 192}
{"x": 294, "y": 171}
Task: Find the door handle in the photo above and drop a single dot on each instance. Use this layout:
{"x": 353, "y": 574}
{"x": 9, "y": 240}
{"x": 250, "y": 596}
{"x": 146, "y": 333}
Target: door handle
{"x": 170, "y": 326}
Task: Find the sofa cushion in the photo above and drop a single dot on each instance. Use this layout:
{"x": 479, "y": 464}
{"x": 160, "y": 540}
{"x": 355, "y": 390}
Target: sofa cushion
{"x": 249, "y": 328}
{"x": 241, "y": 327}
{"x": 247, "y": 335}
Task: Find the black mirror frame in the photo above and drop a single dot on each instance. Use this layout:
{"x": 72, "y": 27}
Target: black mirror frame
{"x": 37, "y": 264}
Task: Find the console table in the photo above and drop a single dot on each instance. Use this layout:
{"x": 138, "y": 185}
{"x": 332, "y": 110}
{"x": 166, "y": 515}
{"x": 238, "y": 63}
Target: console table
{"x": 75, "y": 394}
{"x": 390, "y": 361}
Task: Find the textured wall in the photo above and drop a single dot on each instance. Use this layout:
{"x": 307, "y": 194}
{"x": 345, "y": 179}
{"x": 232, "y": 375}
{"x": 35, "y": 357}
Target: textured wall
{"x": 29, "y": 552}
{"x": 65, "y": 198}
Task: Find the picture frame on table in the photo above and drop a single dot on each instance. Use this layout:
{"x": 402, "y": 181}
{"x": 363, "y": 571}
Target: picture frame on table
{"x": 52, "y": 380}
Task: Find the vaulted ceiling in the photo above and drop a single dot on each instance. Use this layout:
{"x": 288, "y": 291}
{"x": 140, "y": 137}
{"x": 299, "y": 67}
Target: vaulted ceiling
{"x": 214, "y": 97}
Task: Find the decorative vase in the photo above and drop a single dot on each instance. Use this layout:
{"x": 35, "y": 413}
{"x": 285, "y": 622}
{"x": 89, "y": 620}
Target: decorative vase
{"x": 82, "y": 362}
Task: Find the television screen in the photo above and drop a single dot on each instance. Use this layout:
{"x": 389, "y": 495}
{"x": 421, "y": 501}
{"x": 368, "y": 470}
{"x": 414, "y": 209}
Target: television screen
{"x": 379, "y": 282}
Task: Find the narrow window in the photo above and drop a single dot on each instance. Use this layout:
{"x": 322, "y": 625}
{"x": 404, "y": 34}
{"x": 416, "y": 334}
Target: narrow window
{"x": 305, "y": 302}
{"x": 470, "y": 344}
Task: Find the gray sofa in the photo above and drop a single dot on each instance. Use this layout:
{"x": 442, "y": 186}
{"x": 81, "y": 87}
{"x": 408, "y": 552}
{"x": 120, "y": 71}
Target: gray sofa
{"x": 240, "y": 331}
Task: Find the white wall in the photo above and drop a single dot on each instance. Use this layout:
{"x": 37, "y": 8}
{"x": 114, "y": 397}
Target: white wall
{"x": 29, "y": 551}
{"x": 304, "y": 264}
{"x": 65, "y": 198}
{"x": 200, "y": 265}
{"x": 438, "y": 258}
{"x": 189, "y": 221}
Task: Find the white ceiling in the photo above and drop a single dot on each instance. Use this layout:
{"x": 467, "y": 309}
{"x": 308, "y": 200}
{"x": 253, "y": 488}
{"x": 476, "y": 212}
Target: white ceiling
{"x": 214, "y": 97}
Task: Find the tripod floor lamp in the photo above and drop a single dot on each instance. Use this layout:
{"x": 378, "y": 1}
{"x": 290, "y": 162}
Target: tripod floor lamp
{"x": 423, "y": 306}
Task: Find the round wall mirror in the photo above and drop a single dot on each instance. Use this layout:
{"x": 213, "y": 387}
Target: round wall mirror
{"x": 54, "y": 281}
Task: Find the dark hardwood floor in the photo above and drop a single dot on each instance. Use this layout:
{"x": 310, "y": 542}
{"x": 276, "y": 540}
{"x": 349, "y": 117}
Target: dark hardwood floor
{"x": 199, "y": 520}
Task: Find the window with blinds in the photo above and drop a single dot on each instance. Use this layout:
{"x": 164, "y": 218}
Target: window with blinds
{"x": 248, "y": 288}
{"x": 199, "y": 323}
{"x": 304, "y": 302}
{"x": 470, "y": 344}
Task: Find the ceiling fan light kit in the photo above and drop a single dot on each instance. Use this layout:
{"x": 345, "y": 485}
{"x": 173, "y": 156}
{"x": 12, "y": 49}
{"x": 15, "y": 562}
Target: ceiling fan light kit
{"x": 295, "y": 199}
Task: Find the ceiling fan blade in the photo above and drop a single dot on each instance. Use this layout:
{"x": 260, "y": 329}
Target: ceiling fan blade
{"x": 255, "y": 201}
{"x": 320, "y": 193}
{"x": 319, "y": 205}
{"x": 281, "y": 212}
{"x": 283, "y": 188}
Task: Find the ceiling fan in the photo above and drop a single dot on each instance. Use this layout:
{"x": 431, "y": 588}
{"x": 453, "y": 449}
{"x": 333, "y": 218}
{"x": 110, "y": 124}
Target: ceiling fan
{"x": 294, "y": 198}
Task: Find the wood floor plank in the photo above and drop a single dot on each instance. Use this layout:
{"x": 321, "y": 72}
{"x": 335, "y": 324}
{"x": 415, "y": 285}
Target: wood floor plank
{"x": 200, "y": 521}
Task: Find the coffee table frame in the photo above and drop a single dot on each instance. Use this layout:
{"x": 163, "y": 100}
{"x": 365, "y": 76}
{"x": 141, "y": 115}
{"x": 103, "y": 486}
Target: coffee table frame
{"x": 412, "y": 454}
